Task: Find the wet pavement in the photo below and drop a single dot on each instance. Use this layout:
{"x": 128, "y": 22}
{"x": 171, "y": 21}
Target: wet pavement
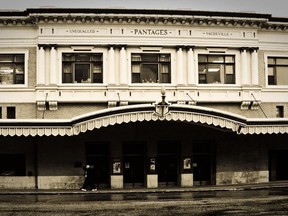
{"x": 271, "y": 201}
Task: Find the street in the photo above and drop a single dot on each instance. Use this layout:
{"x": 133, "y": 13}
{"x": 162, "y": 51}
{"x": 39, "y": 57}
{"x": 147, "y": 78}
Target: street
{"x": 246, "y": 202}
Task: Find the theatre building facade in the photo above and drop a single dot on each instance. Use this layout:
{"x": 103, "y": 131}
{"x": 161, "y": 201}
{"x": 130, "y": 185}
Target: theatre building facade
{"x": 150, "y": 98}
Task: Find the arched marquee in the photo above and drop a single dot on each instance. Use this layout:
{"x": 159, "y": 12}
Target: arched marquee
{"x": 139, "y": 113}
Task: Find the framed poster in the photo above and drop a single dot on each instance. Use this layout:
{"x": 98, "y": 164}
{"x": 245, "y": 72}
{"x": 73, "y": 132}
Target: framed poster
{"x": 116, "y": 167}
{"x": 187, "y": 163}
{"x": 152, "y": 165}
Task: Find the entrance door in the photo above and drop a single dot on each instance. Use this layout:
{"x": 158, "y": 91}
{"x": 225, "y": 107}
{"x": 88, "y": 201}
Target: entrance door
{"x": 278, "y": 160}
{"x": 202, "y": 164}
{"x": 97, "y": 154}
{"x": 134, "y": 163}
{"x": 167, "y": 163}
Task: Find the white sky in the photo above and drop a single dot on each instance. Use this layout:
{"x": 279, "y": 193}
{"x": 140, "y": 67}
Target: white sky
{"x": 278, "y": 8}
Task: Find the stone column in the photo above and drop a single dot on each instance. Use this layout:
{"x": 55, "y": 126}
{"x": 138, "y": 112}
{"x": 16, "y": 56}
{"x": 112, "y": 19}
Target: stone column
{"x": 244, "y": 66}
{"x": 190, "y": 66}
{"x": 41, "y": 66}
{"x": 111, "y": 66}
{"x": 180, "y": 72}
{"x": 123, "y": 66}
{"x": 53, "y": 68}
{"x": 255, "y": 72}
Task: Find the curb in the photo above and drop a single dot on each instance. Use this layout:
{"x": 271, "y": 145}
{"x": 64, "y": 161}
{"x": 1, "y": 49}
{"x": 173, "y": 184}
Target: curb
{"x": 259, "y": 186}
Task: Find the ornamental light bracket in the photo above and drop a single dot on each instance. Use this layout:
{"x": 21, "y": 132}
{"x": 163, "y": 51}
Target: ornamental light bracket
{"x": 162, "y": 107}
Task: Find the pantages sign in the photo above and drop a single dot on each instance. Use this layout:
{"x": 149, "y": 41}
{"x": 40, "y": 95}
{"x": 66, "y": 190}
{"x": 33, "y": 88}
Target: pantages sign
{"x": 157, "y": 32}
{"x": 149, "y": 32}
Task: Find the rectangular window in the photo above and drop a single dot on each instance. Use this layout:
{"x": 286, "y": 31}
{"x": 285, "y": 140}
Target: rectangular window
{"x": 82, "y": 68}
{"x": 151, "y": 68}
{"x": 11, "y": 112}
{"x": 277, "y": 70}
{"x": 279, "y": 112}
{"x": 0, "y": 112}
{"x": 216, "y": 69}
{"x": 12, "y": 69}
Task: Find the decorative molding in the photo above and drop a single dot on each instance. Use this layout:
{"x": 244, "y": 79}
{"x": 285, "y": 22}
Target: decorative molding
{"x": 245, "y": 105}
{"x": 149, "y": 17}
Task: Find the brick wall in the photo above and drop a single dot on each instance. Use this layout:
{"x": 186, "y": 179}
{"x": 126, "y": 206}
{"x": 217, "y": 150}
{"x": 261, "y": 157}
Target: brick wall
{"x": 241, "y": 160}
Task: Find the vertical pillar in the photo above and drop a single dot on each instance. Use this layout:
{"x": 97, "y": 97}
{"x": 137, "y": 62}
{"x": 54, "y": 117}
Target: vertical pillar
{"x": 152, "y": 175}
{"x": 186, "y": 163}
{"x": 180, "y": 72}
{"x": 116, "y": 178}
{"x": 255, "y": 73}
{"x": 190, "y": 66}
{"x": 53, "y": 70}
{"x": 244, "y": 66}
{"x": 41, "y": 66}
{"x": 111, "y": 66}
{"x": 123, "y": 66}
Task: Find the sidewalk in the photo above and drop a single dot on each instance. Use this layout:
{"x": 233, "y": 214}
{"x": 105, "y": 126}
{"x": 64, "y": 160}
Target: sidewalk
{"x": 257, "y": 186}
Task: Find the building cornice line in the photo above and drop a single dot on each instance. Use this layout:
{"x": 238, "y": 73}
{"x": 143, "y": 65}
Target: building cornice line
{"x": 153, "y": 17}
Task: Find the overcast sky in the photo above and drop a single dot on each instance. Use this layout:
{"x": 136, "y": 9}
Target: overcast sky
{"x": 275, "y": 7}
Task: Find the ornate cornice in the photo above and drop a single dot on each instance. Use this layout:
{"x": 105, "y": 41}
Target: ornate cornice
{"x": 147, "y": 17}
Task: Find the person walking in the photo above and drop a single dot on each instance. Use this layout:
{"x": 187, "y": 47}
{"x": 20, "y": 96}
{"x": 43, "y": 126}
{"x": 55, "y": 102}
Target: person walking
{"x": 89, "y": 178}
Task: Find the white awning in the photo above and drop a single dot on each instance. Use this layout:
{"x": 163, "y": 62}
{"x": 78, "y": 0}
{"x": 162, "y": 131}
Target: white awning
{"x": 138, "y": 113}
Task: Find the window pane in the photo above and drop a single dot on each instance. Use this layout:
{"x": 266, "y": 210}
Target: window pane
{"x": 67, "y": 78}
{"x": 150, "y": 57}
{"x": 215, "y": 59}
{"x": 82, "y": 73}
{"x": 97, "y": 78}
{"x": 6, "y": 68}
{"x": 164, "y": 58}
{"x": 19, "y": 58}
{"x": 97, "y": 68}
{"x": 279, "y": 111}
{"x": 136, "y": 78}
{"x": 82, "y": 57}
{"x": 271, "y": 61}
{"x": 136, "y": 58}
{"x": 229, "y": 59}
{"x": 229, "y": 69}
{"x": 97, "y": 58}
{"x": 6, "y": 58}
{"x": 19, "y": 69}
{"x": 136, "y": 68}
{"x": 164, "y": 68}
{"x": 202, "y": 58}
{"x": 229, "y": 79}
{"x": 202, "y": 78}
{"x": 282, "y": 61}
{"x": 202, "y": 69}
{"x": 19, "y": 78}
{"x": 67, "y": 57}
{"x": 6, "y": 74}
{"x": 282, "y": 75}
{"x": 165, "y": 78}
{"x": 149, "y": 73}
{"x": 271, "y": 80}
{"x": 67, "y": 68}
{"x": 271, "y": 71}
{"x": 11, "y": 112}
{"x": 213, "y": 75}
